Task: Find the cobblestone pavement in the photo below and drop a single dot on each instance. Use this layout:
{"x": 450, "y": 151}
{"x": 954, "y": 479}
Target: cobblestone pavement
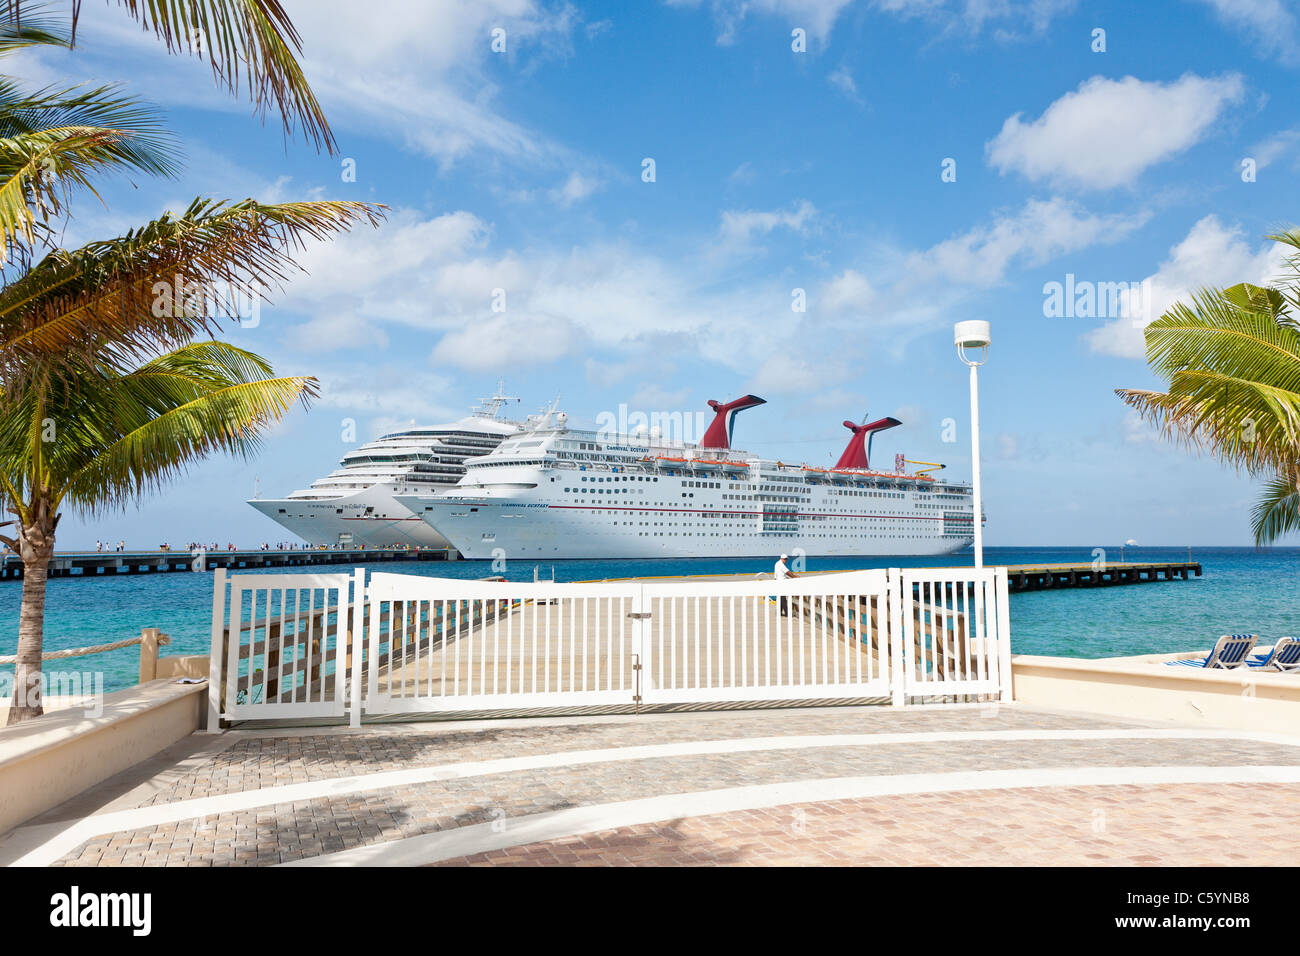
{"x": 1191, "y": 822}
{"x": 1078, "y": 826}
{"x": 259, "y": 761}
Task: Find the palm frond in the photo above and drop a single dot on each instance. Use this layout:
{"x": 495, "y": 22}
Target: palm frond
{"x": 35, "y": 27}
{"x": 1278, "y": 510}
{"x": 141, "y": 137}
{"x": 104, "y": 298}
{"x": 167, "y": 425}
{"x": 250, "y": 44}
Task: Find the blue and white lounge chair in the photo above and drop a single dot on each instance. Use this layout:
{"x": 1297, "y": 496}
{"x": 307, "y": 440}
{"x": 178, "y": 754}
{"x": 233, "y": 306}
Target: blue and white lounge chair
{"x": 1285, "y": 656}
{"x": 1231, "y": 650}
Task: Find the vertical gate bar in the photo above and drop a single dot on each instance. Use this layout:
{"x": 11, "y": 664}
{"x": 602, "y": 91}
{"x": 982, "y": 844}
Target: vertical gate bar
{"x": 217, "y": 652}
{"x": 695, "y": 603}
{"x": 371, "y": 645}
{"x": 762, "y": 608}
{"x": 899, "y": 633}
{"x": 279, "y": 669}
{"x": 623, "y": 611}
{"x": 967, "y": 595}
{"x": 1004, "y": 635}
{"x": 981, "y": 628}
{"x": 785, "y": 637}
{"x": 311, "y": 648}
{"x": 546, "y": 657}
{"x": 710, "y": 602}
{"x": 797, "y": 611}
{"x": 532, "y": 667}
{"x": 744, "y": 641}
{"x": 824, "y": 637}
{"x": 731, "y": 641}
{"x": 297, "y": 644}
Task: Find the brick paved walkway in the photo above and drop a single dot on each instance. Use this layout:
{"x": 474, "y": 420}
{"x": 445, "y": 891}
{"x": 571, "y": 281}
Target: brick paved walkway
{"x": 1077, "y": 826}
{"x": 221, "y": 801}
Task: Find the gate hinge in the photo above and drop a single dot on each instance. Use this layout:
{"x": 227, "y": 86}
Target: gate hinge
{"x": 639, "y": 615}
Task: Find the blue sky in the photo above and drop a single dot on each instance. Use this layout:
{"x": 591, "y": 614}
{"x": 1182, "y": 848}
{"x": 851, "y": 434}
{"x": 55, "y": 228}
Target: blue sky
{"x": 775, "y": 170}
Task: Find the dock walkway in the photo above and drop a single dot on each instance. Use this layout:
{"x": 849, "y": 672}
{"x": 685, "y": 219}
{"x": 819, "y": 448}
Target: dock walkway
{"x": 97, "y": 564}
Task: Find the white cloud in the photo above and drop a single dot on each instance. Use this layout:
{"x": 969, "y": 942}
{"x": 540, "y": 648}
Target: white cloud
{"x": 1040, "y": 231}
{"x": 1107, "y": 132}
{"x": 653, "y": 397}
{"x": 786, "y": 372}
{"x": 1271, "y": 24}
{"x": 739, "y": 227}
{"x": 1210, "y": 255}
{"x": 508, "y": 340}
{"x": 815, "y": 16}
{"x": 577, "y": 187}
{"x": 419, "y": 73}
{"x": 439, "y": 276}
{"x": 1270, "y": 150}
{"x": 849, "y": 290}
{"x": 1012, "y": 17}
{"x": 842, "y": 80}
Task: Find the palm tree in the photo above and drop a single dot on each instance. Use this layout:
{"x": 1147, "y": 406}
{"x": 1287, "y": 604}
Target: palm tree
{"x": 108, "y": 389}
{"x": 1231, "y": 358}
{"x": 53, "y": 142}
{"x": 113, "y": 396}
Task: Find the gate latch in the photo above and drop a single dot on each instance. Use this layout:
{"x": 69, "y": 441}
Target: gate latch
{"x": 639, "y": 615}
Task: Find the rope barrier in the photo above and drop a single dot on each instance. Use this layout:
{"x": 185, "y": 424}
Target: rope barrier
{"x": 163, "y": 640}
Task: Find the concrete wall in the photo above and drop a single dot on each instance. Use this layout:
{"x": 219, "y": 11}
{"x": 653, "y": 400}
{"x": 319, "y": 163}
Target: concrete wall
{"x": 46, "y": 761}
{"x": 1151, "y": 690}
{"x": 192, "y": 665}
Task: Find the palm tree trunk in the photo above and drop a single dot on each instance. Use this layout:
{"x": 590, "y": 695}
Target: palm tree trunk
{"x": 37, "y": 547}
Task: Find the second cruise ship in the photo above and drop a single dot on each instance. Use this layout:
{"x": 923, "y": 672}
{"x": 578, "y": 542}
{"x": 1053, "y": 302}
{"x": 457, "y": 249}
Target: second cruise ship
{"x": 354, "y": 505}
{"x": 553, "y": 492}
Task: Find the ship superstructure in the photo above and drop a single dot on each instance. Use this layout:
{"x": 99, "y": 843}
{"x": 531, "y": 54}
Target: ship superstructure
{"x": 355, "y": 504}
{"x": 557, "y": 492}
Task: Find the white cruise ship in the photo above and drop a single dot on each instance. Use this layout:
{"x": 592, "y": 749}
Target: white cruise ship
{"x": 554, "y": 492}
{"x": 355, "y": 505}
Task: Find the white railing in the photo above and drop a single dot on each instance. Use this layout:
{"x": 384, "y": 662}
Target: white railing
{"x": 956, "y": 632}
{"x": 280, "y": 644}
{"x": 814, "y": 637}
{"x": 321, "y": 645}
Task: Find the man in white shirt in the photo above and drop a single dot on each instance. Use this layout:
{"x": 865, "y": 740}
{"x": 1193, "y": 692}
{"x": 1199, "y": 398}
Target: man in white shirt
{"x": 780, "y": 573}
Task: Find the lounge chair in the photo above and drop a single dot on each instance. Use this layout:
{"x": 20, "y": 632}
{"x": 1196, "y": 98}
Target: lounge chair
{"x": 1285, "y": 656}
{"x": 1231, "y": 650}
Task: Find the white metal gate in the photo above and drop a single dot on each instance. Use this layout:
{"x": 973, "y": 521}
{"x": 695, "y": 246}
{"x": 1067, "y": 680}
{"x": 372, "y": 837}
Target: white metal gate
{"x": 280, "y": 644}
{"x": 956, "y": 632}
{"x": 439, "y": 644}
{"x": 321, "y": 645}
{"x": 818, "y": 637}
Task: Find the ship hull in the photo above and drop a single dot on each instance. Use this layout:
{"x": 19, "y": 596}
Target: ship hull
{"x": 371, "y": 517}
{"x": 492, "y": 530}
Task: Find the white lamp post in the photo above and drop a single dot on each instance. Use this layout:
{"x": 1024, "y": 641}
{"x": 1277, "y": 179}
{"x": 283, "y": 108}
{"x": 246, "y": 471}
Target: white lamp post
{"x": 972, "y": 341}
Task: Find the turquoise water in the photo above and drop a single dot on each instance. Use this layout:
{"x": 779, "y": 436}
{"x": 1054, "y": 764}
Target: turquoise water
{"x": 1241, "y": 590}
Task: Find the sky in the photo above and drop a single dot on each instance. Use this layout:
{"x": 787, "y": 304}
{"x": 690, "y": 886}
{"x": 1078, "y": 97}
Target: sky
{"x": 835, "y": 183}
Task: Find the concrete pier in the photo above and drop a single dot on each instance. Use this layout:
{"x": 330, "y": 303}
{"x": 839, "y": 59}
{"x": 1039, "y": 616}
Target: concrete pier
{"x": 1026, "y": 577}
{"x": 95, "y": 564}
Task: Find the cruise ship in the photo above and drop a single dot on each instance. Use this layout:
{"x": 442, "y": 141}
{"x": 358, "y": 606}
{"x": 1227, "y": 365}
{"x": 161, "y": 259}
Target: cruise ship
{"x": 355, "y": 505}
{"x": 555, "y": 492}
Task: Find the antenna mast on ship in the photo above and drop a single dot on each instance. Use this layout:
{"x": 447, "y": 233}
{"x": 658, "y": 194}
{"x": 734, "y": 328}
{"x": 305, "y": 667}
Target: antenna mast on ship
{"x": 491, "y": 407}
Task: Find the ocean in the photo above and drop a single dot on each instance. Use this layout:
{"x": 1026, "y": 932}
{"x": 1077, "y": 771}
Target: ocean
{"x": 1241, "y": 590}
